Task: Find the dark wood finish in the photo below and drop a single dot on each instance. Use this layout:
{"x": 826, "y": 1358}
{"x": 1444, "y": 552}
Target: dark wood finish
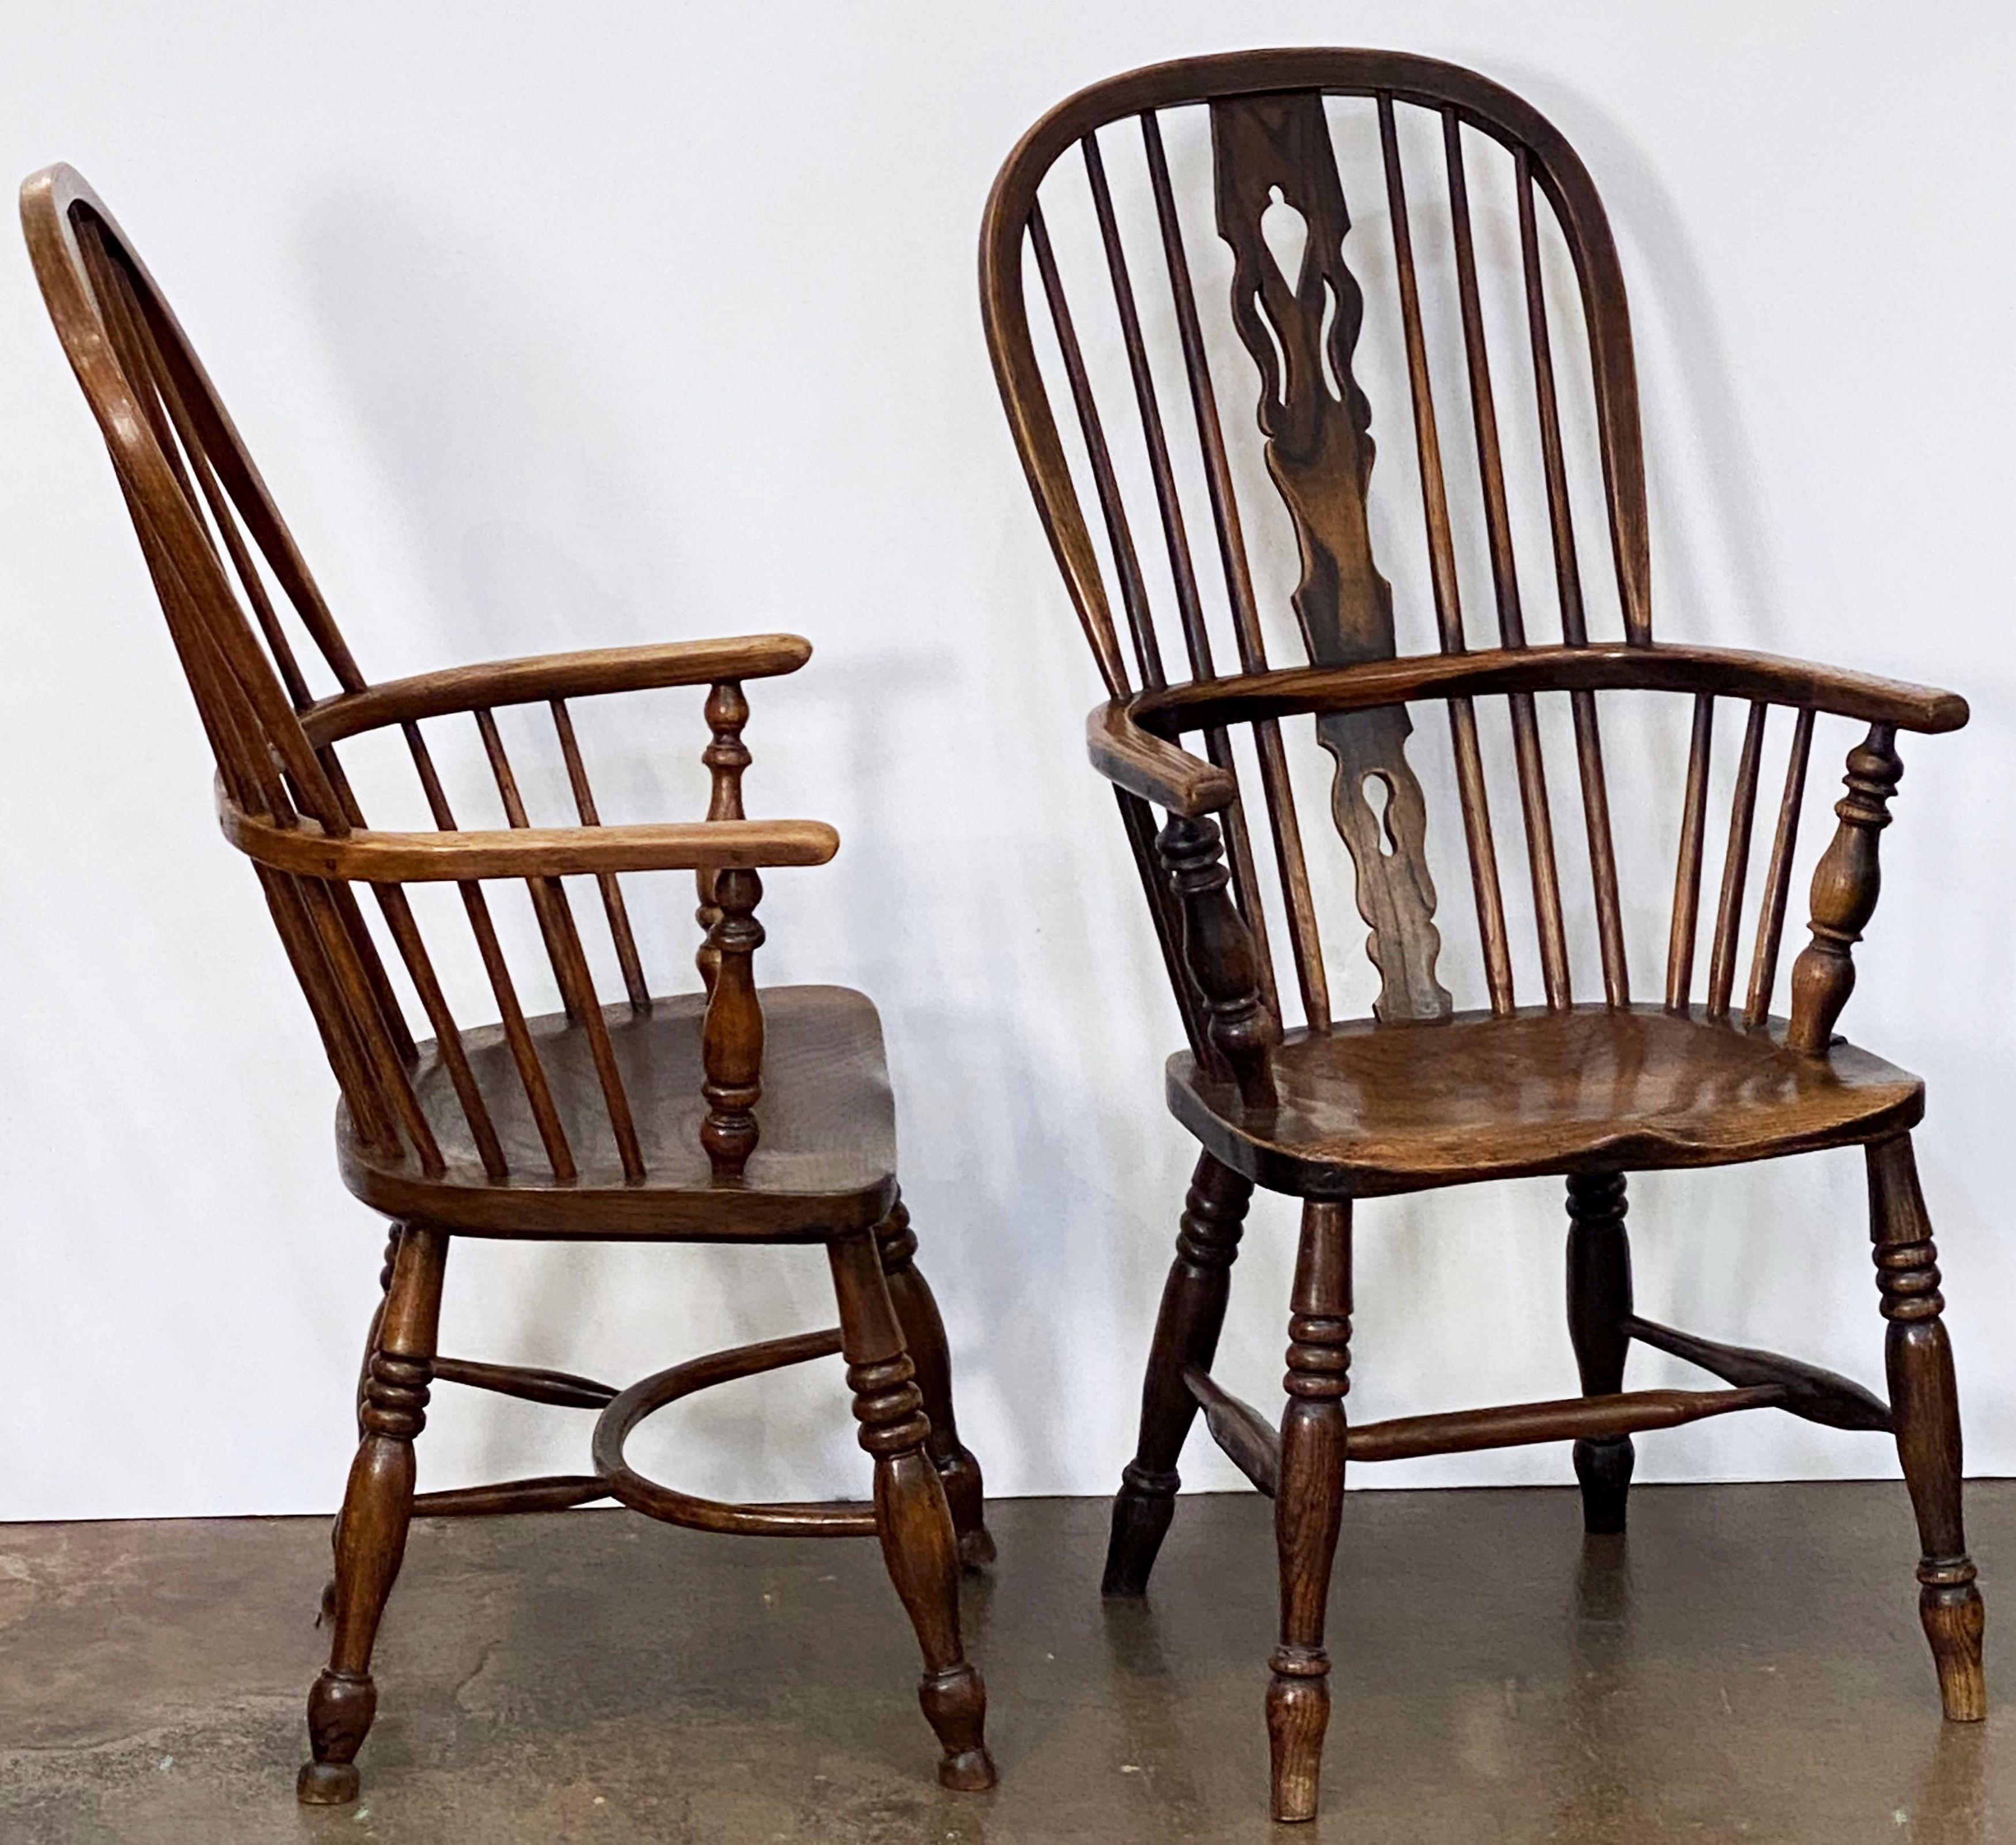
{"x": 1246, "y": 1438}
{"x": 1420, "y": 1095}
{"x": 1308, "y": 1503}
{"x": 1599, "y": 1304}
{"x": 797, "y": 1519}
{"x": 542, "y": 677}
{"x": 377, "y": 1506}
{"x": 910, "y": 1515}
{"x": 724, "y": 1114}
{"x": 560, "y": 1492}
{"x": 1186, "y": 1329}
{"x": 1816, "y": 1394}
{"x": 731, "y": 1040}
{"x": 1300, "y": 331}
{"x": 727, "y": 759}
{"x": 924, "y": 1337}
{"x": 1778, "y": 878}
{"x": 1846, "y": 884}
{"x": 1687, "y": 873}
{"x": 1220, "y": 953}
{"x": 1598, "y": 1419}
{"x": 529, "y": 1385}
{"x": 1600, "y": 1422}
{"x": 1735, "y": 867}
{"x": 1364, "y": 1110}
{"x": 1925, "y": 1406}
{"x": 620, "y": 935}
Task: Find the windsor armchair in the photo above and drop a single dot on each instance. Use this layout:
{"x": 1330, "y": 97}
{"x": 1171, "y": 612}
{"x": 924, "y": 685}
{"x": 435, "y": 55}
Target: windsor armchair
{"x": 718, "y": 1115}
{"x": 1422, "y": 1094}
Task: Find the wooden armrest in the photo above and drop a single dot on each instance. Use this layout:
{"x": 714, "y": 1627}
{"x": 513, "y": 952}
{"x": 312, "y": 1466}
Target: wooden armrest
{"x": 368, "y": 857}
{"x": 1724, "y": 671}
{"x": 1151, "y": 766}
{"x": 553, "y": 676}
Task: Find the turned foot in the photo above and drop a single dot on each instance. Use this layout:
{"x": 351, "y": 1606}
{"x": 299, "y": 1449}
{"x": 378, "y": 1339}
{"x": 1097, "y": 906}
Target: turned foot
{"x": 1599, "y": 1304}
{"x": 924, "y": 1338}
{"x": 1308, "y": 1504}
{"x": 919, "y": 1547}
{"x": 1924, "y": 1406}
{"x": 1186, "y": 1329}
{"x": 377, "y": 1507}
{"x": 1603, "y": 1468}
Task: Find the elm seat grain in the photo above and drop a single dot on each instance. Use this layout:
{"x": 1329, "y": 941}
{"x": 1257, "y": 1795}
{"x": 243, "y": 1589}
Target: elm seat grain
{"x": 1277, "y": 1089}
{"x": 825, "y": 1161}
{"x": 1365, "y": 1109}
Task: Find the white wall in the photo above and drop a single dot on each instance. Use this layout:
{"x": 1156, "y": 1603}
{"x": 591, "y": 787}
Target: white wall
{"x": 559, "y": 326}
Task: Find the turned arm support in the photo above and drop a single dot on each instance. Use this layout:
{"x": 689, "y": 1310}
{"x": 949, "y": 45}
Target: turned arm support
{"x": 1218, "y": 947}
{"x": 582, "y": 675}
{"x": 1218, "y": 951}
{"x": 1846, "y": 883}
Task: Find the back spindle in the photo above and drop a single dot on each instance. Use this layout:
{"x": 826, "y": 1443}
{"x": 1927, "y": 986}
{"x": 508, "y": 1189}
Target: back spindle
{"x": 1735, "y": 865}
{"x": 1530, "y": 764}
{"x": 1470, "y": 787}
{"x": 1267, "y": 734}
{"x": 620, "y": 936}
{"x": 1686, "y": 876}
{"x": 1778, "y": 879}
{"x": 1133, "y": 591}
{"x": 570, "y": 964}
{"x": 511, "y": 1015}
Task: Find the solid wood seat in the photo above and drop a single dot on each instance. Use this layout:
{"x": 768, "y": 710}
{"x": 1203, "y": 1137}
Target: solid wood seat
{"x": 1365, "y": 1109}
{"x": 723, "y": 1114}
{"x": 825, "y": 1159}
{"x": 1344, "y": 186}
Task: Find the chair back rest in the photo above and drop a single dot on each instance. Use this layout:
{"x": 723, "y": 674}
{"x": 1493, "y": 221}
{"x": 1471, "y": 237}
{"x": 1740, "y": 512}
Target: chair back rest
{"x": 232, "y": 583}
{"x": 1287, "y": 334}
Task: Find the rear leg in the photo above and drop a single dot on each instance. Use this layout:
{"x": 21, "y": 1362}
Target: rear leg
{"x": 1186, "y": 1333}
{"x": 1925, "y": 1407}
{"x": 924, "y": 1336}
{"x": 1599, "y": 1304}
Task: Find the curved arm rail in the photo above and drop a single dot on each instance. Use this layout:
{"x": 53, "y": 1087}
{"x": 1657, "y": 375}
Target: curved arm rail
{"x": 368, "y": 857}
{"x": 1724, "y": 672}
{"x": 1128, "y": 740}
{"x": 579, "y": 674}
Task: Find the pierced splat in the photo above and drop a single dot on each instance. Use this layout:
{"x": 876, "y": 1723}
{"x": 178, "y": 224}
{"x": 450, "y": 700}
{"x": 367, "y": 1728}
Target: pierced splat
{"x": 1280, "y": 205}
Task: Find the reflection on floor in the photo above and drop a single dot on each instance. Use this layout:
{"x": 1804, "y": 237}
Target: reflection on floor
{"x": 1746, "y": 1665}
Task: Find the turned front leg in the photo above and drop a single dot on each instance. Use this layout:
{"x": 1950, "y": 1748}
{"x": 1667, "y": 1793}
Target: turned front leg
{"x": 925, "y": 1336}
{"x": 1186, "y": 1329}
{"x": 377, "y": 1506}
{"x": 1599, "y": 1303}
{"x": 911, "y": 1516}
{"x": 1924, "y": 1406}
{"x": 1308, "y": 1504}
{"x": 1846, "y": 883}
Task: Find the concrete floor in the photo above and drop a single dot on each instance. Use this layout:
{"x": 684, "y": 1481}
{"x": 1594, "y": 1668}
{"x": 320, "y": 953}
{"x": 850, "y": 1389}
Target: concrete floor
{"x": 1750, "y": 1668}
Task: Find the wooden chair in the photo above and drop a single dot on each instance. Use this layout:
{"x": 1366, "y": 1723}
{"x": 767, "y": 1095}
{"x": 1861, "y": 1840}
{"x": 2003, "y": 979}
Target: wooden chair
{"x": 1422, "y": 1095}
{"x": 707, "y": 1117}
